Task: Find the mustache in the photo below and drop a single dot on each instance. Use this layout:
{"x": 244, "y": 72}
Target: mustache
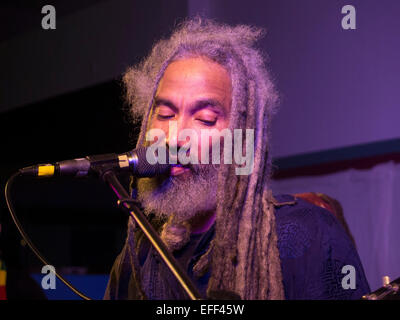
{"x": 196, "y": 168}
{"x": 180, "y": 196}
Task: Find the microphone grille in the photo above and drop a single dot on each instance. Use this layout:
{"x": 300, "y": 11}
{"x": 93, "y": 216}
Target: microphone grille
{"x": 143, "y": 168}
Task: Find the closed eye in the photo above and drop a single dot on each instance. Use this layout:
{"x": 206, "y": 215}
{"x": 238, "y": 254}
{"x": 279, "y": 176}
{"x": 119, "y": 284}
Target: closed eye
{"x": 164, "y": 117}
{"x": 207, "y": 122}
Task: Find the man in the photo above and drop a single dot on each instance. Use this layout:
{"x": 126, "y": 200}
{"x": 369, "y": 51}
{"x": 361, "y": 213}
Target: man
{"x": 229, "y": 233}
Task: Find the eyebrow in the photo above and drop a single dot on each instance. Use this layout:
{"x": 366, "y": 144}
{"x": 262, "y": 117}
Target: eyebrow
{"x": 161, "y": 101}
{"x": 196, "y": 106}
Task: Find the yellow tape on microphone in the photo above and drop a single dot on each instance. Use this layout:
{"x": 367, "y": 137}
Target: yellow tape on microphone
{"x": 47, "y": 170}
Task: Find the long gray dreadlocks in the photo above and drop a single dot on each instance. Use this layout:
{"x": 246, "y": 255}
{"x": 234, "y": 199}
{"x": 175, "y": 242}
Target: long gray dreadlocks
{"x": 245, "y": 258}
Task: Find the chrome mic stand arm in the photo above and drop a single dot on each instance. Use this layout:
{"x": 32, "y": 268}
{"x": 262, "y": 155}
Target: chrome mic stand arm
{"x": 129, "y": 205}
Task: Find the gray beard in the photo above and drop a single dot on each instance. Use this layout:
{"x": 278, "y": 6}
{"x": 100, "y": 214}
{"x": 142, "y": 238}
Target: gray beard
{"x": 181, "y": 197}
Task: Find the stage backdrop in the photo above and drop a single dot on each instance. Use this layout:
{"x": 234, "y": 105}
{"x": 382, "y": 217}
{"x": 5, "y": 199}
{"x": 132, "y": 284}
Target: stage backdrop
{"x": 371, "y": 208}
{"x": 338, "y": 87}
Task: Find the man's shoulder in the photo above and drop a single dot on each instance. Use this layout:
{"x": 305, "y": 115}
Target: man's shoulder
{"x": 300, "y": 223}
{"x": 289, "y": 208}
{"x": 313, "y": 248}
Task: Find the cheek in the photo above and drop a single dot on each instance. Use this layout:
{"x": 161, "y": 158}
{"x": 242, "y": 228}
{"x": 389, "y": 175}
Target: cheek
{"x": 156, "y": 124}
{"x": 160, "y": 125}
{"x": 203, "y": 144}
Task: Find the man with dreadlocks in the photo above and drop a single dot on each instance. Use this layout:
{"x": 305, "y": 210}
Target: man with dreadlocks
{"x": 227, "y": 230}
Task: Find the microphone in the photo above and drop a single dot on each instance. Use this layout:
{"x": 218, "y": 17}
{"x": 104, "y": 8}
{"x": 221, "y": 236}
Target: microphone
{"x": 134, "y": 161}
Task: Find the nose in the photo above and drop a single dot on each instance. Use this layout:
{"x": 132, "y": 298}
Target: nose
{"x": 175, "y": 128}
{"x": 173, "y": 143}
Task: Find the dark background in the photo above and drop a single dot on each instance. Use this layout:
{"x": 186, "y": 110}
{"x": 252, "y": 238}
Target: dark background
{"x": 74, "y": 223}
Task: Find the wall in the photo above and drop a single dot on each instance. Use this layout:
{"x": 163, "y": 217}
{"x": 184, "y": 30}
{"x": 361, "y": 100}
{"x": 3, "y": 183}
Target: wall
{"x": 338, "y": 87}
{"x": 88, "y": 47}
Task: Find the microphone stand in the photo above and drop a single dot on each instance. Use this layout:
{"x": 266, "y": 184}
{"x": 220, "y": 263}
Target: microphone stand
{"x": 129, "y": 205}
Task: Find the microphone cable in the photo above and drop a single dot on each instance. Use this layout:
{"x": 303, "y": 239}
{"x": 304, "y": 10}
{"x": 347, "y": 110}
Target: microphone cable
{"x": 11, "y": 208}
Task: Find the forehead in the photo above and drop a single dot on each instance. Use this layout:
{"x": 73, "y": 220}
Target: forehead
{"x": 194, "y": 78}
